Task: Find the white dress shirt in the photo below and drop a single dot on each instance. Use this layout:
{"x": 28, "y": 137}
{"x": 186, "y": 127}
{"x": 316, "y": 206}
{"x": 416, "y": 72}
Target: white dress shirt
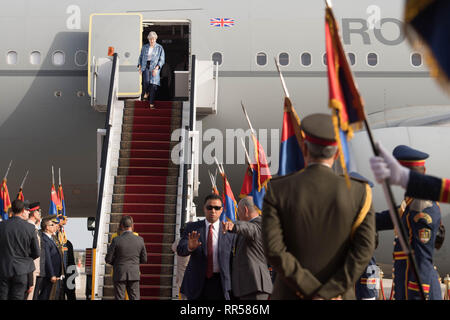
{"x": 216, "y": 226}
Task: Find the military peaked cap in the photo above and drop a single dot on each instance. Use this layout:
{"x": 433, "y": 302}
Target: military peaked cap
{"x": 35, "y": 206}
{"x": 319, "y": 129}
{"x": 409, "y": 157}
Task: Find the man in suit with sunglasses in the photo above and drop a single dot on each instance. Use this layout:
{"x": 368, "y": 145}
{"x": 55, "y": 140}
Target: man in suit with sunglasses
{"x": 207, "y": 276}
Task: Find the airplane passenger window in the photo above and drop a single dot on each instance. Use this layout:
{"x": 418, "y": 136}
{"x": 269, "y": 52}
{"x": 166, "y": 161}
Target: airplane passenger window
{"x": 372, "y": 59}
{"x": 81, "y": 58}
{"x": 58, "y": 58}
{"x": 11, "y": 57}
{"x": 305, "y": 59}
{"x": 217, "y": 57}
{"x": 416, "y": 59}
{"x": 35, "y": 57}
{"x": 325, "y": 59}
{"x": 261, "y": 59}
{"x": 352, "y": 58}
{"x": 283, "y": 58}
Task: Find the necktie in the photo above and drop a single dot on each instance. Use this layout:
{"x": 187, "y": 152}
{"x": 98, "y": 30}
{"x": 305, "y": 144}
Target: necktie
{"x": 209, "y": 268}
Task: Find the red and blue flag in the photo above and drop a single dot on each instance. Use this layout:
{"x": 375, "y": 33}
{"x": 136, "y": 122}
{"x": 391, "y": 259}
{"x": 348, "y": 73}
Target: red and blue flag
{"x": 291, "y": 155}
{"x": 5, "y": 201}
{"x": 54, "y": 201}
{"x": 229, "y": 203}
{"x": 250, "y": 187}
{"x": 344, "y": 98}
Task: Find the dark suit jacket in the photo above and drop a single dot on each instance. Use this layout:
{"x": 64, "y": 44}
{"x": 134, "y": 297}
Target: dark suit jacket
{"x": 18, "y": 247}
{"x": 250, "y": 273}
{"x": 42, "y": 256}
{"x": 195, "y": 274}
{"x": 125, "y": 253}
{"x": 53, "y": 261}
{"x": 318, "y": 235}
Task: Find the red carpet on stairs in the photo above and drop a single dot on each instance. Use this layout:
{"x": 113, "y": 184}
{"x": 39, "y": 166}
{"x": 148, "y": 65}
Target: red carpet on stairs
{"x": 144, "y": 192}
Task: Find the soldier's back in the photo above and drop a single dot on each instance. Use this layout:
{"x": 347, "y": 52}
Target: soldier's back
{"x": 317, "y": 214}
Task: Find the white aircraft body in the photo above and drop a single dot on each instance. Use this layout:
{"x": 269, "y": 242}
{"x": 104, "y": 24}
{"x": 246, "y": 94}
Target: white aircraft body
{"x": 46, "y": 118}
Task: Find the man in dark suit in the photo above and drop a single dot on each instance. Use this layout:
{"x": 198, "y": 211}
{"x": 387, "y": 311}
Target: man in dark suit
{"x": 318, "y": 233}
{"x": 207, "y": 276}
{"x": 250, "y": 276}
{"x": 18, "y": 248}
{"x": 125, "y": 254}
{"x": 53, "y": 258}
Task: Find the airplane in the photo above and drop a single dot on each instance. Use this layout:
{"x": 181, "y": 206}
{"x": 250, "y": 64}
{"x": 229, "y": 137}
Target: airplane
{"x": 46, "y": 117}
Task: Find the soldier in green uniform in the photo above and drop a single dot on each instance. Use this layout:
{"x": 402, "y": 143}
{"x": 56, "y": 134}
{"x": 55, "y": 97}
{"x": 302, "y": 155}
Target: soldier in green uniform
{"x": 318, "y": 234}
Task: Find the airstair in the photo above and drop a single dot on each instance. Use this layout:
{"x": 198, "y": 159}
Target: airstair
{"x": 146, "y": 170}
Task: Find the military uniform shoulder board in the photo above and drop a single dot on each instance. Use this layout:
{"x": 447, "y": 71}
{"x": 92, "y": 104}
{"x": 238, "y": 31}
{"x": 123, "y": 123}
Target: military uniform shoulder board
{"x": 422, "y": 215}
{"x": 356, "y": 179}
{"x": 420, "y": 205}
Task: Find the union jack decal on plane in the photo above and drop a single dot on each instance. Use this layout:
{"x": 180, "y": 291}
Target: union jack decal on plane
{"x": 221, "y": 22}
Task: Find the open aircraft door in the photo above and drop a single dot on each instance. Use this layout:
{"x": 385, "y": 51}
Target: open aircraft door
{"x": 123, "y": 32}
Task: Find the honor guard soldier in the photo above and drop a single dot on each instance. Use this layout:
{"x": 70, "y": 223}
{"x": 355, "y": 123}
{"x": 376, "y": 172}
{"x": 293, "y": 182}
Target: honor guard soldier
{"x": 421, "y": 219}
{"x": 367, "y": 286}
{"x": 416, "y": 184}
{"x": 318, "y": 233}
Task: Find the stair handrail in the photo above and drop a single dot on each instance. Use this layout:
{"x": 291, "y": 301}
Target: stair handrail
{"x": 188, "y": 146}
{"x": 94, "y": 81}
{"x": 97, "y": 248}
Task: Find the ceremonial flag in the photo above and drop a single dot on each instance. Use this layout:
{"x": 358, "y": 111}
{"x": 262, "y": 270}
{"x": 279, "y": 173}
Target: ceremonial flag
{"x": 291, "y": 155}
{"x": 428, "y": 29}
{"x": 250, "y": 188}
{"x": 54, "y": 201}
{"x": 261, "y": 165}
{"x": 20, "y": 195}
{"x": 229, "y": 203}
{"x": 5, "y": 201}
{"x": 61, "y": 202}
{"x": 344, "y": 99}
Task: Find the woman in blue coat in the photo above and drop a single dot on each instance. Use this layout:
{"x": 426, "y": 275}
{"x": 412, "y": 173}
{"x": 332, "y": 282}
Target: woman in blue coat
{"x": 150, "y": 63}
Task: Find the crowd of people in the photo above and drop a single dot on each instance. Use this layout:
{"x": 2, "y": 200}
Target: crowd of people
{"x": 317, "y": 232}
{"x": 36, "y": 259}
{"x": 318, "y": 235}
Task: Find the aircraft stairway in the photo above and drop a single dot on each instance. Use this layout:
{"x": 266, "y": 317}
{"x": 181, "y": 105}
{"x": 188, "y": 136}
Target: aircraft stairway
{"x": 144, "y": 174}
{"x": 146, "y": 189}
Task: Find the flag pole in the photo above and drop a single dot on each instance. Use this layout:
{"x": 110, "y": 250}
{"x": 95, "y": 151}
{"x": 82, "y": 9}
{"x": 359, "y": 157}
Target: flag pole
{"x": 248, "y": 120}
{"x": 213, "y": 180}
{"x": 398, "y": 225}
{"x": 246, "y": 155}
{"x": 23, "y": 181}
{"x": 283, "y": 84}
{"x": 219, "y": 166}
{"x": 396, "y": 219}
{"x": 53, "y": 176}
{"x": 59, "y": 169}
{"x": 7, "y": 171}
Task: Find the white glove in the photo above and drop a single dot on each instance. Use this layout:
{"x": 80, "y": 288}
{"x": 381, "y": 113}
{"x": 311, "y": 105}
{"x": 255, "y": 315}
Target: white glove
{"x": 386, "y": 166}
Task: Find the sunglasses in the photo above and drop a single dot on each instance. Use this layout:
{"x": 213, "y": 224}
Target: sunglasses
{"x": 214, "y": 207}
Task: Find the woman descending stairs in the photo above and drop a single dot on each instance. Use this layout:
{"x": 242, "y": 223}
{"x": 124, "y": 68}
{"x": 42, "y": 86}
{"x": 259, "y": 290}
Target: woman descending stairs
{"x": 146, "y": 188}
